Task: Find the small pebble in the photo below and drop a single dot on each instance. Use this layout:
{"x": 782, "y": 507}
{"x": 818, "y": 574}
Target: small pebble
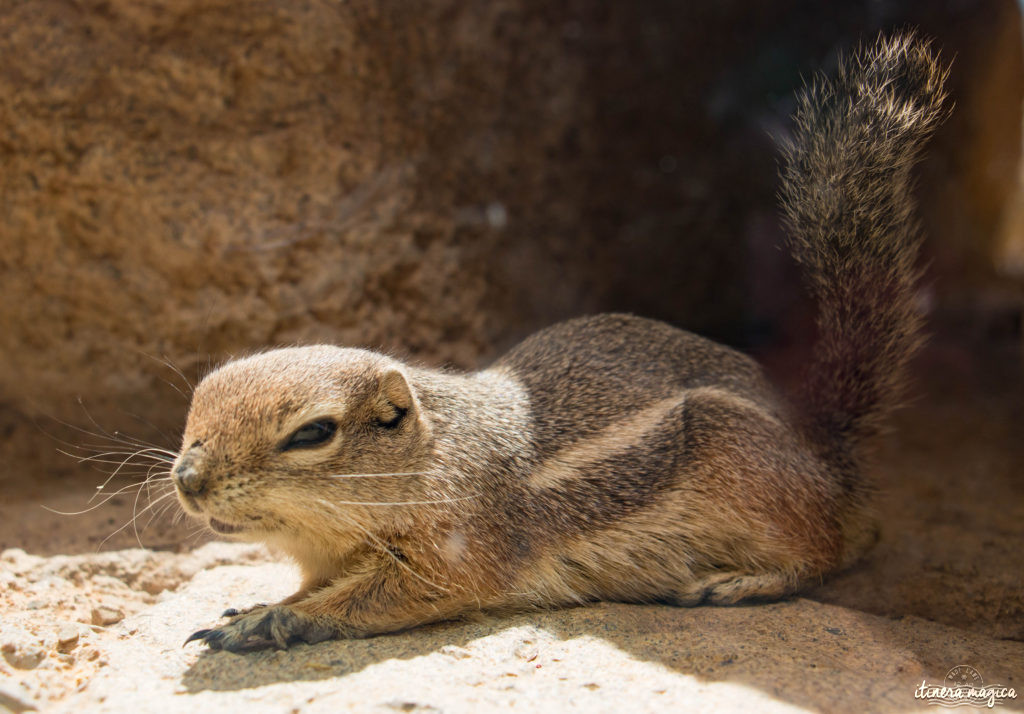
{"x": 526, "y": 650}
{"x": 456, "y": 652}
{"x": 67, "y": 638}
{"x": 106, "y": 616}
{"x": 23, "y": 657}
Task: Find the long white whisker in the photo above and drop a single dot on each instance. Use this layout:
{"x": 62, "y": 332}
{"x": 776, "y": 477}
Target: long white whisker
{"x": 163, "y": 359}
{"x": 105, "y": 501}
{"x": 151, "y": 479}
{"x": 135, "y": 513}
{"x": 133, "y": 469}
{"x": 155, "y": 513}
{"x": 191, "y": 387}
{"x": 136, "y": 442}
{"x": 151, "y": 425}
{"x": 114, "y": 473}
{"x": 176, "y": 388}
{"x": 117, "y": 438}
{"x": 132, "y": 522}
{"x": 163, "y": 509}
{"x": 119, "y": 444}
{"x": 195, "y": 535}
{"x": 98, "y": 457}
{"x": 383, "y": 546}
{"x": 95, "y": 423}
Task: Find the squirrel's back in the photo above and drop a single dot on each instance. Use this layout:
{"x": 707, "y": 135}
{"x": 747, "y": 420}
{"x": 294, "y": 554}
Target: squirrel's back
{"x": 583, "y": 374}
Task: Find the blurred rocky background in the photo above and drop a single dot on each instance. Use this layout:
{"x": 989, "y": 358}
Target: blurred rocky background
{"x": 186, "y": 180}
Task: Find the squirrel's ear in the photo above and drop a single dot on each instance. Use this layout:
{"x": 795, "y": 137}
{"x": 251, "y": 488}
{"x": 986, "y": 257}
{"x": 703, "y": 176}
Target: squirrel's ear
{"x": 396, "y": 391}
{"x": 397, "y": 405}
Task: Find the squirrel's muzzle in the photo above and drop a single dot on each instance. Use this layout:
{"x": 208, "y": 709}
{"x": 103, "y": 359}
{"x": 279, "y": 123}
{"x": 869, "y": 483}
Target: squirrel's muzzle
{"x": 187, "y": 478}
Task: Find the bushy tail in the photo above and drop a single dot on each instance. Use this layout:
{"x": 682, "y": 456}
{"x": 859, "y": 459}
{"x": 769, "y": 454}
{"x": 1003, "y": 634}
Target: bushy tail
{"x": 846, "y": 194}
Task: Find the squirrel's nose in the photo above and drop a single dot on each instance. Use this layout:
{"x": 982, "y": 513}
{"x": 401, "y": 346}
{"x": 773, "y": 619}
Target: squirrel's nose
{"x": 189, "y": 480}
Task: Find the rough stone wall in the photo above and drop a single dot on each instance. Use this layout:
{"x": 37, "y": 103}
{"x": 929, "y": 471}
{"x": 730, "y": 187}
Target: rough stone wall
{"x": 190, "y": 179}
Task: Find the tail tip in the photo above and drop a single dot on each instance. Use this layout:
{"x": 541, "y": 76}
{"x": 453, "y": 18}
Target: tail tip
{"x": 900, "y": 70}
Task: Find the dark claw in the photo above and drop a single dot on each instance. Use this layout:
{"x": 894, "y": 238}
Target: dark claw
{"x": 276, "y": 626}
{"x": 230, "y": 612}
{"x": 213, "y": 640}
{"x": 197, "y": 635}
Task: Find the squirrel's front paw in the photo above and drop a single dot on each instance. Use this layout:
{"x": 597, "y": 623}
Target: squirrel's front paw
{"x": 280, "y": 626}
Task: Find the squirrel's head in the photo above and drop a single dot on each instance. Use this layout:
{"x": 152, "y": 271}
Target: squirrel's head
{"x": 291, "y": 442}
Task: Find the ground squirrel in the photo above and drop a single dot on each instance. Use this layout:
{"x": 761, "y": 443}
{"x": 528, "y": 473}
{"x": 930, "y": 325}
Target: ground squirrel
{"x": 608, "y": 457}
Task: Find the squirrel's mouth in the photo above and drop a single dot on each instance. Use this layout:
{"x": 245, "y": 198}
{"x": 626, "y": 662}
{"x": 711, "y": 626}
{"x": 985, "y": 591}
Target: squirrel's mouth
{"x": 224, "y": 528}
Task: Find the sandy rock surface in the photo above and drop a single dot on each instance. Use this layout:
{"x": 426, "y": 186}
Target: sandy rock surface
{"x": 60, "y": 614}
{"x": 610, "y": 658}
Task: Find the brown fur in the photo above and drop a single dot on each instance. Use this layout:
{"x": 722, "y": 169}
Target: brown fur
{"x": 608, "y": 457}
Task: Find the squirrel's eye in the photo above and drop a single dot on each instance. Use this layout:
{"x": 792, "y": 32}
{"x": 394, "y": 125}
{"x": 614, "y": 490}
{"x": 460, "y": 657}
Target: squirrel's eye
{"x": 312, "y": 434}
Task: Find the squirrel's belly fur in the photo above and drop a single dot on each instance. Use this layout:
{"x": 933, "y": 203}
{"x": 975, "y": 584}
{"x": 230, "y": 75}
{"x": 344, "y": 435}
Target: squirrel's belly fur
{"x": 608, "y": 457}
